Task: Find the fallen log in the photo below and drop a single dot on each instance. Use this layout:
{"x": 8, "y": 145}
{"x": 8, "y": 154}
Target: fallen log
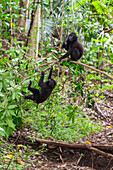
{"x": 92, "y": 147}
{"x": 74, "y": 145}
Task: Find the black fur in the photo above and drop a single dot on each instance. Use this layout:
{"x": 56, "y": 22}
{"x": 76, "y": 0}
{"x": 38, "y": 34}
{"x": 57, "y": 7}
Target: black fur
{"x": 74, "y": 48}
{"x": 41, "y": 95}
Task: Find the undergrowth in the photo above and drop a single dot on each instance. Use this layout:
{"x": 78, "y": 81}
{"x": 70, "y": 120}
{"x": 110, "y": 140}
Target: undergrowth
{"x": 60, "y": 121}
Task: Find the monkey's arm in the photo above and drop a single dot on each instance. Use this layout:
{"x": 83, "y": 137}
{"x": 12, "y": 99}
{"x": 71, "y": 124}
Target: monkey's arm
{"x": 65, "y": 55}
{"x": 41, "y": 78}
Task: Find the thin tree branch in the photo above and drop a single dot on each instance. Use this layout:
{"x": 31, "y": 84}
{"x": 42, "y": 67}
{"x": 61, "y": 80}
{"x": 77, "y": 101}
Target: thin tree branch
{"x": 76, "y": 62}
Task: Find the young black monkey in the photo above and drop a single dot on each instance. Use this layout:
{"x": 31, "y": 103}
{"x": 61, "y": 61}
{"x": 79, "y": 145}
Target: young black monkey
{"x": 41, "y": 95}
{"x": 74, "y": 48}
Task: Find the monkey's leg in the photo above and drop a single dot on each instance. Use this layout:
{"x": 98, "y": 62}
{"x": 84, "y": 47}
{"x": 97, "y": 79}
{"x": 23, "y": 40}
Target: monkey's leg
{"x": 50, "y": 73}
{"x": 75, "y": 55}
{"x": 30, "y": 82}
{"x": 34, "y": 90}
{"x": 29, "y": 97}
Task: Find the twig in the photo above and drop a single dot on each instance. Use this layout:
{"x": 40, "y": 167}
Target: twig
{"x": 59, "y": 156}
{"x": 100, "y": 152}
{"x": 78, "y": 160}
{"x": 97, "y": 109}
{"x": 9, "y": 163}
{"x": 17, "y": 138}
{"x": 39, "y": 66}
{"x": 109, "y": 163}
{"x": 92, "y": 160}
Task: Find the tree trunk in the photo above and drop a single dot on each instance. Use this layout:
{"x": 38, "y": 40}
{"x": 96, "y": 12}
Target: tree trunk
{"x": 34, "y": 34}
{"x": 72, "y": 26}
{"x": 61, "y": 32}
{"x": 41, "y": 29}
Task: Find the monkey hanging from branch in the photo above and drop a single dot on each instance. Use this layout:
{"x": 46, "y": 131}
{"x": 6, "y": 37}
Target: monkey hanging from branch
{"x": 47, "y": 87}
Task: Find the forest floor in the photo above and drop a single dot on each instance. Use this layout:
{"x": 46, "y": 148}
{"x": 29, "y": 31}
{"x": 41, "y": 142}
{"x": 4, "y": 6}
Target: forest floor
{"x": 52, "y": 157}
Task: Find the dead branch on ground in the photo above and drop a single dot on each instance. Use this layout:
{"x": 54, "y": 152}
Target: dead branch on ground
{"x": 91, "y": 147}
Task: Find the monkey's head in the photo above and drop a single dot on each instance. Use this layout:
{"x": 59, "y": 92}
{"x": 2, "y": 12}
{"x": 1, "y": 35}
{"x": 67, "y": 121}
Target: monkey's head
{"x": 72, "y": 37}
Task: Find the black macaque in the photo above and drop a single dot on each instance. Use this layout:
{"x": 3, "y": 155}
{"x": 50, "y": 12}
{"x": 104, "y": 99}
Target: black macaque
{"x": 74, "y": 48}
{"x": 41, "y": 95}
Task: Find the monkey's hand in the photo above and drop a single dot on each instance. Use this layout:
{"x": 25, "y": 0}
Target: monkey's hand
{"x": 69, "y": 60}
{"x": 42, "y": 73}
{"x": 60, "y": 59}
{"x": 23, "y": 94}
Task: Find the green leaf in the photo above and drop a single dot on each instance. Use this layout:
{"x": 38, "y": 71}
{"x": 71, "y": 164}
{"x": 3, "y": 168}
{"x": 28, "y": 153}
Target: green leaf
{"x": 100, "y": 7}
{"x": 12, "y": 84}
{"x": 2, "y": 132}
{"x": 17, "y": 96}
{"x": 12, "y": 112}
{"x": 13, "y": 95}
{"x": 26, "y": 82}
{"x": 20, "y": 57}
{"x": 9, "y": 131}
{"x": 102, "y": 97}
{"x": 12, "y": 106}
{"x": 81, "y": 93}
{"x": 2, "y": 95}
{"x": 0, "y": 44}
{"x": 10, "y": 123}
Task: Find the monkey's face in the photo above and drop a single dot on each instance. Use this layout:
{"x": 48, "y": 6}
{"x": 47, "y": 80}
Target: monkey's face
{"x": 72, "y": 37}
